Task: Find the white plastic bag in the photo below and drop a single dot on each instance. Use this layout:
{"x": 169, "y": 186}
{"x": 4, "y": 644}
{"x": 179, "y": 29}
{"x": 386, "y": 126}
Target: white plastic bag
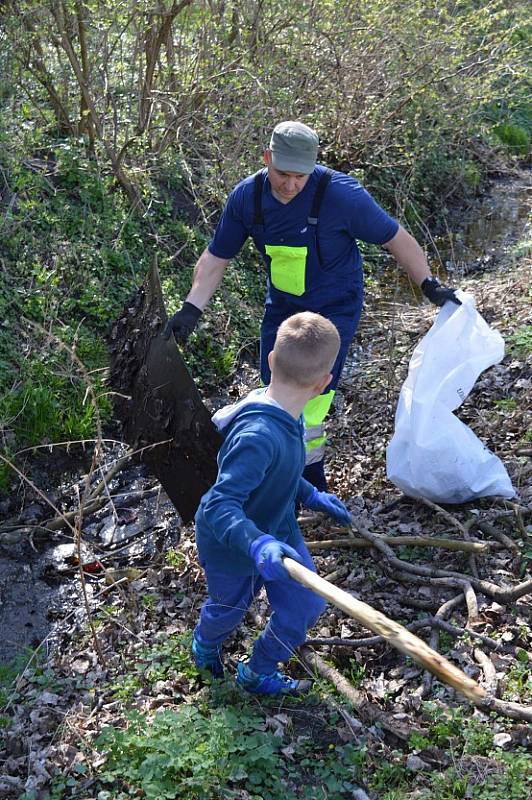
{"x": 432, "y": 453}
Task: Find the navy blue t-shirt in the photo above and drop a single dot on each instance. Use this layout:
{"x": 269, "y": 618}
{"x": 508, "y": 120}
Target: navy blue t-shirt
{"x": 348, "y": 213}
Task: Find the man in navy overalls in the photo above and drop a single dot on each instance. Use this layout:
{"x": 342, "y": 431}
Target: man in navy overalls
{"x": 305, "y": 220}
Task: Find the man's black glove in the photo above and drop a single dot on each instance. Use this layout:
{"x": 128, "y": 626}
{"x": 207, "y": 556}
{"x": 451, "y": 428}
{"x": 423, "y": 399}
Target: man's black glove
{"x": 437, "y": 293}
{"x": 183, "y": 322}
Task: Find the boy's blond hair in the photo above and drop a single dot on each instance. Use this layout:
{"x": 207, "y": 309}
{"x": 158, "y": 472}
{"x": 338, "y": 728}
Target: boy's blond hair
{"x": 305, "y": 349}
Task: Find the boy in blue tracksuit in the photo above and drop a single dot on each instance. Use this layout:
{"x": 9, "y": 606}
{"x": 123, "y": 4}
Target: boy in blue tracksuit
{"x": 246, "y": 522}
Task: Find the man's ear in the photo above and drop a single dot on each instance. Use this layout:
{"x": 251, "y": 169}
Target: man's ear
{"x": 270, "y": 359}
{"x": 268, "y": 157}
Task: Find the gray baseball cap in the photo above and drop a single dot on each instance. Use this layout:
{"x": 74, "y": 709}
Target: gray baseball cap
{"x": 294, "y": 147}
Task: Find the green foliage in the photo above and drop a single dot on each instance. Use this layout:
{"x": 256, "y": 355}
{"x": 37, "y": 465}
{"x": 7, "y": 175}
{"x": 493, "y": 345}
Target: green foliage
{"x": 8, "y": 675}
{"x": 417, "y": 741}
{"x": 333, "y": 776}
{"x": 520, "y": 342}
{"x": 218, "y": 752}
{"x": 506, "y": 404}
{"x": 518, "y": 680}
{"x": 509, "y": 777}
{"x": 174, "y": 558}
{"x": 418, "y": 95}
{"x": 389, "y": 775}
{"x": 149, "y": 601}
{"x": 36, "y": 672}
{"x": 186, "y": 754}
{"x": 356, "y": 672}
{"x": 170, "y": 658}
{"x": 447, "y": 725}
{"x": 515, "y": 137}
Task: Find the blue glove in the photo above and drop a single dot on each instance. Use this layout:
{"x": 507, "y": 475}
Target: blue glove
{"x": 329, "y": 504}
{"x": 267, "y": 553}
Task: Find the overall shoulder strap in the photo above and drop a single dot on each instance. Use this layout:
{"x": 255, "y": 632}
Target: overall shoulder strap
{"x": 258, "y": 183}
{"x": 318, "y": 196}
{"x": 316, "y": 205}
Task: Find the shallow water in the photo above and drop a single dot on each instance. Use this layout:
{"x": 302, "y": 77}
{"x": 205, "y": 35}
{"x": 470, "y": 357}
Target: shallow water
{"x": 498, "y": 222}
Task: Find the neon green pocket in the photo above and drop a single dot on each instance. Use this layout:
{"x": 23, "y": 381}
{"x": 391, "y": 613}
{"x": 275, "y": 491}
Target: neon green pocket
{"x": 288, "y": 266}
{"x": 317, "y": 409}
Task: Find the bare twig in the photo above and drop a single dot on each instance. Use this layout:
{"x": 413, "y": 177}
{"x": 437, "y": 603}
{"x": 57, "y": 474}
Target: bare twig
{"x": 437, "y": 577}
{"x": 408, "y": 541}
{"x": 109, "y": 475}
{"x": 499, "y": 593}
{"x": 426, "y": 622}
{"x": 77, "y": 541}
{"x": 462, "y": 527}
{"x": 395, "y": 634}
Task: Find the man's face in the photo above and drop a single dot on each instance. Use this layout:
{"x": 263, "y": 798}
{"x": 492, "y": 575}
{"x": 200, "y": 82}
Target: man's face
{"x": 285, "y": 185}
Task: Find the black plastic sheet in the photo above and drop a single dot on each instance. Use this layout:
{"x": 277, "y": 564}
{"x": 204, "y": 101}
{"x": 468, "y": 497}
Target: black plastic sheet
{"x": 157, "y": 402}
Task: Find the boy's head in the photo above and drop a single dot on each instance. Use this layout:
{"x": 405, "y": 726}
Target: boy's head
{"x": 305, "y": 350}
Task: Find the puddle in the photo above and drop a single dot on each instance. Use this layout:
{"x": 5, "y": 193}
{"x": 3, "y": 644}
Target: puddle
{"x": 500, "y": 219}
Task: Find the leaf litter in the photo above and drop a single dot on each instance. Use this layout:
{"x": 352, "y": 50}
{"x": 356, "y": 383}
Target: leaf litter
{"x": 146, "y": 597}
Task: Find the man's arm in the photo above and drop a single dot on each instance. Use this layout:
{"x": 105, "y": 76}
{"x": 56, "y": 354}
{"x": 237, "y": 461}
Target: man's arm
{"x": 231, "y": 233}
{"x": 411, "y": 257}
{"x": 208, "y": 274}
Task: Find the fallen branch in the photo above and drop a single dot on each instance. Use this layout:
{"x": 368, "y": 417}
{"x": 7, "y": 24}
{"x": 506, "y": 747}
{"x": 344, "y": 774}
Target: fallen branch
{"x": 490, "y": 675}
{"x": 367, "y": 641}
{"x": 109, "y": 475}
{"x": 69, "y": 517}
{"x": 440, "y": 577}
{"x": 462, "y": 527}
{"x": 370, "y": 712}
{"x": 491, "y": 530}
{"x": 442, "y": 613}
{"x": 506, "y": 709}
{"x": 471, "y": 602}
{"x": 503, "y": 595}
{"x": 94, "y": 501}
{"x": 427, "y": 622}
{"x": 407, "y": 541}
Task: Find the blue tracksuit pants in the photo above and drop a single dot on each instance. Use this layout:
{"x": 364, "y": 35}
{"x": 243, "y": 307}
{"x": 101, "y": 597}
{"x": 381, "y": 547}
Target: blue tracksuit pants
{"x": 295, "y": 609}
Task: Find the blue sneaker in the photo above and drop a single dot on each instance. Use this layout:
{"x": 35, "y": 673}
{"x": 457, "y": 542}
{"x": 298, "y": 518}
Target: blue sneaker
{"x": 207, "y": 658}
{"x": 276, "y": 683}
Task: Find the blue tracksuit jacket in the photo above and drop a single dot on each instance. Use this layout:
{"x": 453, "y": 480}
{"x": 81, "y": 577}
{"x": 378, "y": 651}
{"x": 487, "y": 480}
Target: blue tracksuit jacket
{"x": 259, "y": 479}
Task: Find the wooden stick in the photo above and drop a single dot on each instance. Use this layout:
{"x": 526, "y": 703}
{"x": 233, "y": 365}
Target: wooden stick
{"x": 410, "y": 541}
{"x": 394, "y": 633}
